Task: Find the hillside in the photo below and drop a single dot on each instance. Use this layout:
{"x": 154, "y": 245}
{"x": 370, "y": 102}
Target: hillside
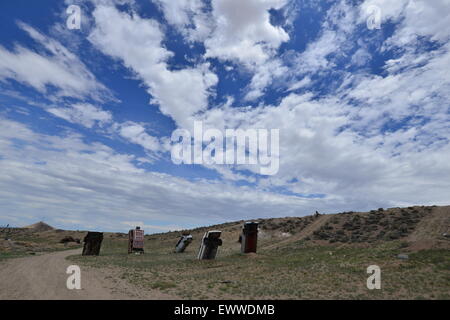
{"x": 312, "y": 257}
{"x": 420, "y": 227}
{"x": 34, "y": 239}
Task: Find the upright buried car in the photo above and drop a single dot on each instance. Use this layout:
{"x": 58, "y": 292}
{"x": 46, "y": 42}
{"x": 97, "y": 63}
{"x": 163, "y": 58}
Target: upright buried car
{"x": 136, "y": 241}
{"x": 209, "y": 245}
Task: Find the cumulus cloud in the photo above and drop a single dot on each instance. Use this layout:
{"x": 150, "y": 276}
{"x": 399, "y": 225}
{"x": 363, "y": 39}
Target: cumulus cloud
{"x": 243, "y": 31}
{"x": 244, "y": 34}
{"x": 137, "y": 42}
{"x": 237, "y": 31}
{"x": 421, "y": 90}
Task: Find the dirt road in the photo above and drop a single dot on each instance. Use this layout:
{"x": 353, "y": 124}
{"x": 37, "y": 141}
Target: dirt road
{"x": 44, "y": 277}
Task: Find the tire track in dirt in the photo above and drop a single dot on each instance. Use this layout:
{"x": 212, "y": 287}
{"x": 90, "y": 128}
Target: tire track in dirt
{"x": 305, "y": 232}
{"x": 43, "y": 277}
{"x": 428, "y": 232}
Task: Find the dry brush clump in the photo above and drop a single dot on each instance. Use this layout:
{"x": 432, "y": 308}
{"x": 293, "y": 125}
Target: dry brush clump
{"x": 377, "y": 225}
{"x": 291, "y": 225}
{"x": 36, "y": 238}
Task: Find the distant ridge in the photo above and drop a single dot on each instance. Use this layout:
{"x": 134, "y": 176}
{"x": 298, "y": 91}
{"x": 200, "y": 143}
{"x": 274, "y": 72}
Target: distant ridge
{"x": 40, "y": 226}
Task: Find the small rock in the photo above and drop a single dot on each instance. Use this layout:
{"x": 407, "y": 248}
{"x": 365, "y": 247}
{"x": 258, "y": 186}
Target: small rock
{"x": 403, "y": 256}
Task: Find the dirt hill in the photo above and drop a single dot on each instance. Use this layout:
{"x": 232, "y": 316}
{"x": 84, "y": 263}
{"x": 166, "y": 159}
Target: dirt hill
{"x": 38, "y": 237}
{"x": 419, "y": 226}
{"x": 40, "y": 227}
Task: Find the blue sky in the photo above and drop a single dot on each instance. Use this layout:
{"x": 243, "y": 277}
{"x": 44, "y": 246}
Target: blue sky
{"x": 86, "y": 115}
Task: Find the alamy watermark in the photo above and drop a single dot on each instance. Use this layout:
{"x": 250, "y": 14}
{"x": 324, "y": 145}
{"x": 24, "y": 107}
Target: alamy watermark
{"x": 74, "y": 280}
{"x": 374, "y": 281}
{"x": 374, "y": 17}
{"x": 73, "y": 22}
{"x": 230, "y": 147}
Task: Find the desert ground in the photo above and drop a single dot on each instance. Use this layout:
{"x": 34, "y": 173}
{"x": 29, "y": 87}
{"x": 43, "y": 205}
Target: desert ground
{"x": 313, "y": 257}
{"x": 43, "y": 277}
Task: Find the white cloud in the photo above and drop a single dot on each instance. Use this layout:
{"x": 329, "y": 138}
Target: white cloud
{"x": 243, "y": 34}
{"x": 84, "y": 114}
{"x": 315, "y": 56}
{"x": 243, "y": 31}
{"x": 416, "y": 90}
{"x": 332, "y": 42}
{"x": 237, "y": 31}
{"x": 263, "y": 77}
{"x": 336, "y": 30}
{"x": 135, "y": 133}
{"x": 328, "y": 145}
{"x": 379, "y": 140}
{"x": 361, "y": 57}
{"x": 60, "y": 69}
{"x": 89, "y": 115}
{"x": 188, "y": 16}
{"x": 94, "y": 184}
{"x": 300, "y": 84}
{"x": 137, "y": 42}
{"x": 353, "y": 170}
{"x": 416, "y": 18}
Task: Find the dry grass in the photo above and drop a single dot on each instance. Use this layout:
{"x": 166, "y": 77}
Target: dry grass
{"x": 290, "y": 268}
{"x": 27, "y": 241}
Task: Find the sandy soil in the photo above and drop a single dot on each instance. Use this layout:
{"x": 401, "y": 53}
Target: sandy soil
{"x": 428, "y": 233}
{"x": 306, "y": 232}
{"x": 43, "y": 277}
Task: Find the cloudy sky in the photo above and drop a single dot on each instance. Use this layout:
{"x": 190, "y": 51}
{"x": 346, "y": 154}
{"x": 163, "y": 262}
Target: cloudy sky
{"x": 86, "y": 115}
